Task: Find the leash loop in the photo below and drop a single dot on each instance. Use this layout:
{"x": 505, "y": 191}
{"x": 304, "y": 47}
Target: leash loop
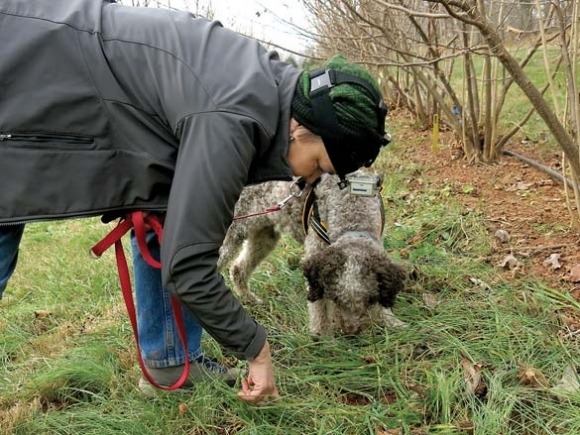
{"x": 139, "y": 221}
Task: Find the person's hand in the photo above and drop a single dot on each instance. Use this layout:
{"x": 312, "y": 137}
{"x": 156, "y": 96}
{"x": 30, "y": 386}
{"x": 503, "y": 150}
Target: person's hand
{"x": 260, "y": 385}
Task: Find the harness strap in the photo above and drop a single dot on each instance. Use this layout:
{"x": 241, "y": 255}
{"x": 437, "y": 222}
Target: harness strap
{"x": 307, "y": 210}
{"x": 311, "y": 217}
{"x": 383, "y": 212}
{"x": 319, "y": 227}
{"x": 138, "y": 221}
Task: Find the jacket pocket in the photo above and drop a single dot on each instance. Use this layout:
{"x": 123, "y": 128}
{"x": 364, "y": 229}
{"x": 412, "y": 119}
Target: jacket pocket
{"x": 47, "y": 140}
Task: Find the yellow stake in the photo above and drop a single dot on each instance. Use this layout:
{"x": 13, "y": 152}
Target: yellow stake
{"x": 435, "y": 146}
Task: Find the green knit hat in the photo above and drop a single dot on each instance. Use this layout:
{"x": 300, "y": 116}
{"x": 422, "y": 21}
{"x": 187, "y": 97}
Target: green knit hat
{"x": 343, "y": 104}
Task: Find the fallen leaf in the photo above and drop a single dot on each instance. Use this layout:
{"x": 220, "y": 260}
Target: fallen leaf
{"x": 520, "y": 185}
{"x": 553, "y": 261}
{"x": 531, "y": 377}
{"x": 430, "y": 300}
{"x": 467, "y": 427}
{"x": 502, "y": 235}
{"x": 182, "y": 409}
{"x": 569, "y": 382}
{"x": 474, "y": 383}
{"x": 571, "y": 321}
{"x": 369, "y": 359}
{"x": 575, "y": 274}
{"x": 354, "y": 399}
{"x": 415, "y": 240}
{"x": 480, "y": 283}
{"x": 510, "y": 262}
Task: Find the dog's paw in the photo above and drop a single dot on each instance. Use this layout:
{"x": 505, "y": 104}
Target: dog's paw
{"x": 389, "y": 319}
{"x": 251, "y": 299}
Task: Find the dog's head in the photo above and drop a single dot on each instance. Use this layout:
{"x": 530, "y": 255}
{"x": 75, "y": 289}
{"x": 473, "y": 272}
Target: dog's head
{"x": 356, "y": 274}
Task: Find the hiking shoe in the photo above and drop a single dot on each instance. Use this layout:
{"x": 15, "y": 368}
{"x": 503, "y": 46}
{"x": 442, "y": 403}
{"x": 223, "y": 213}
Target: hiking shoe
{"x": 202, "y": 369}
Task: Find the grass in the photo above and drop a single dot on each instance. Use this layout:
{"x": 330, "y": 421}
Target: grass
{"x": 483, "y": 360}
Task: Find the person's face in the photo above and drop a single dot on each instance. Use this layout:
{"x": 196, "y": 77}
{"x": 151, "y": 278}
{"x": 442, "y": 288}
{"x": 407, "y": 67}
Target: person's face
{"x": 307, "y": 155}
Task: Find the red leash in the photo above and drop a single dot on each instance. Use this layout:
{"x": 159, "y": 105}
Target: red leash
{"x": 272, "y": 209}
{"x": 138, "y": 220}
{"x": 299, "y": 184}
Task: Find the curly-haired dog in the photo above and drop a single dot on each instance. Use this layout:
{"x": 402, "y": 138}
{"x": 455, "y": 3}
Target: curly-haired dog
{"x": 351, "y": 281}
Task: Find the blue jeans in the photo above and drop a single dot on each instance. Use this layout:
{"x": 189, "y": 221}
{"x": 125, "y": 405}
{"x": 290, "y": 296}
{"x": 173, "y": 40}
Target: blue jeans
{"x": 9, "y": 241}
{"x": 158, "y": 338}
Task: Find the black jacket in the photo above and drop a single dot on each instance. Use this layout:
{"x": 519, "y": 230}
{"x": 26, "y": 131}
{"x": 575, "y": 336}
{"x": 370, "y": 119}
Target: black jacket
{"x": 106, "y": 108}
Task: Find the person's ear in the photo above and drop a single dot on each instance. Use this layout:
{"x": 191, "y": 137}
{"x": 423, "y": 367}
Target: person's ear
{"x": 293, "y": 125}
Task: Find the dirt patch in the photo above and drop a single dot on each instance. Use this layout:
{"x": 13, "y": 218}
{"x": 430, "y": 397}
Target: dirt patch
{"x": 527, "y": 206}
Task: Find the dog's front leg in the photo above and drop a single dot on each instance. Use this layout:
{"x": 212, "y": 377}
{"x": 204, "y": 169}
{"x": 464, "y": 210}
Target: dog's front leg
{"x": 389, "y": 319}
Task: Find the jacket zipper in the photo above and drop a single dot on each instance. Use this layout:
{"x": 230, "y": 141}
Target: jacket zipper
{"x": 43, "y": 137}
{"x": 11, "y": 224}
{"x": 39, "y": 138}
{"x": 80, "y": 215}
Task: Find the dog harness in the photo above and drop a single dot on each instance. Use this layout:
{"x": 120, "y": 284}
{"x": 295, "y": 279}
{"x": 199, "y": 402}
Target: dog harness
{"x": 311, "y": 217}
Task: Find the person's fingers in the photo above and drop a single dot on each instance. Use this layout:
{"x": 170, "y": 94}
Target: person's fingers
{"x": 256, "y": 394}
{"x": 249, "y": 397}
{"x": 258, "y": 397}
{"x": 245, "y": 387}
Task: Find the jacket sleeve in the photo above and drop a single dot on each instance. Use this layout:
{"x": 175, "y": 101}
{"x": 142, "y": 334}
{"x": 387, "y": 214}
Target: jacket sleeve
{"x": 214, "y": 160}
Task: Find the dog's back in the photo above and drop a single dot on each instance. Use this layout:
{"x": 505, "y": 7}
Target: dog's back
{"x": 342, "y": 212}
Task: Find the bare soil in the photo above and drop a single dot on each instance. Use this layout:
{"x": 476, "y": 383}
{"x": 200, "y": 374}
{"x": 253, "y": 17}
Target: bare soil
{"x": 525, "y": 203}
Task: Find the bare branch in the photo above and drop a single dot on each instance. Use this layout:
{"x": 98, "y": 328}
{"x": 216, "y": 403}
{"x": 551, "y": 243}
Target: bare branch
{"x": 411, "y": 12}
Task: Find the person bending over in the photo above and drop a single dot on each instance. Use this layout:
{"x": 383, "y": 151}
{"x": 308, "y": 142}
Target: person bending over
{"x": 108, "y": 109}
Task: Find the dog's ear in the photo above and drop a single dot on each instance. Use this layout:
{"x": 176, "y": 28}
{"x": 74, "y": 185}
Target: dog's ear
{"x": 322, "y": 270}
{"x": 311, "y": 270}
{"x": 391, "y": 280}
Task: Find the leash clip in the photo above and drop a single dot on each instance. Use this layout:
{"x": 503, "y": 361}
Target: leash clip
{"x": 296, "y": 191}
